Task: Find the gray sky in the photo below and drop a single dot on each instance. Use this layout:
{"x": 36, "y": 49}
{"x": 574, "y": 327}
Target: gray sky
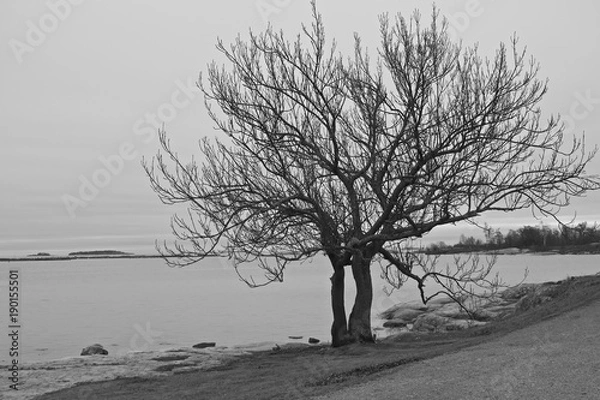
{"x": 85, "y": 82}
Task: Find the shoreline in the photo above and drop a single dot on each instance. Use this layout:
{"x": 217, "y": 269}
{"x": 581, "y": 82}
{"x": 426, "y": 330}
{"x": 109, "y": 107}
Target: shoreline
{"x": 42, "y": 377}
{"x": 340, "y": 366}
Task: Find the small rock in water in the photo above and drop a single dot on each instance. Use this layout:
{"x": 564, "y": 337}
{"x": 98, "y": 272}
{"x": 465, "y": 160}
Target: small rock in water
{"x": 203, "y": 345}
{"x": 313, "y": 340}
{"x": 295, "y": 337}
{"x": 94, "y": 349}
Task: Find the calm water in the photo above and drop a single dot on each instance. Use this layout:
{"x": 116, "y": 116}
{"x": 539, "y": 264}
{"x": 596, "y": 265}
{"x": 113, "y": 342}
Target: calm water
{"x": 136, "y": 305}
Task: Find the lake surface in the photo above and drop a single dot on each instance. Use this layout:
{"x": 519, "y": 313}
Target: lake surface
{"x": 141, "y": 304}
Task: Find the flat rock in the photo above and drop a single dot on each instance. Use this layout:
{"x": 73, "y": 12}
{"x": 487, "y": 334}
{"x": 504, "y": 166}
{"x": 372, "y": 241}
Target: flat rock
{"x": 171, "y": 357}
{"x": 203, "y": 345}
{"x": 395, "y": 323}
{"x": 294, "y": 345}
{"x": 171, "y": 367}
{"x": 460, "y": 324}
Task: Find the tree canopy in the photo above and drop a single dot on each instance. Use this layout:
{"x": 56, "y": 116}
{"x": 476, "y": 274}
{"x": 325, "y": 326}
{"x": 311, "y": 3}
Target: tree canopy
{"x": 354, "y": 156}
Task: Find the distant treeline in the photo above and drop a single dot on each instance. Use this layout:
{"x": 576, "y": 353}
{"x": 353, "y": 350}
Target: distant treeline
{"x": 535, "y": 238}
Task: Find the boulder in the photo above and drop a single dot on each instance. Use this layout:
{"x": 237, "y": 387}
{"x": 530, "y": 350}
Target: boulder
{"x": 440, "y": 300}
{"x": 429, "y": 322}
{"x": 400, "y": 312}
{"x": 313, "y": 340}
{"x": 203, "y": 345}
{"x": 94, "y": 349}
{"x": 452, "y": 310}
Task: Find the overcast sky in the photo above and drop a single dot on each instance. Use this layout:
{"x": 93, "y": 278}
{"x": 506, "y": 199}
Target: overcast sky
{"x": 84, "y": 84}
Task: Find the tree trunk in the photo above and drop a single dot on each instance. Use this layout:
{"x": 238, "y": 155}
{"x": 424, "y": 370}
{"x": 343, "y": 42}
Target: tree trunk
{"x": 339, "y": 328}
{"x": 360, "y": 318}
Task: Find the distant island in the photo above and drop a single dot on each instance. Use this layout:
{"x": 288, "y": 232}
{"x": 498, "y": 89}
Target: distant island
{"x": 99, "y": 253}
{"x": 40, "y": 254}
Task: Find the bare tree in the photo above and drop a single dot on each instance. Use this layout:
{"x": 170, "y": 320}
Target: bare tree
{"x": 353, "y": 158}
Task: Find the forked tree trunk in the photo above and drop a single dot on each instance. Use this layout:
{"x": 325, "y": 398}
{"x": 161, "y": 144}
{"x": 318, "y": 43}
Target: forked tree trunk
{"x": 339, "y": 328}
{"x": 360, "y": 318}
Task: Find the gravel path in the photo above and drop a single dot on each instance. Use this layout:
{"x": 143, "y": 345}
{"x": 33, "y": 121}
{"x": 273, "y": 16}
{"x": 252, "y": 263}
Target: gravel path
{"x": 555, "y": 359}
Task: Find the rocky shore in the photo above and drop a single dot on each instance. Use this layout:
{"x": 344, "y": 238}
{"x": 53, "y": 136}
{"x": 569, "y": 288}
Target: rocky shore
{"x": 443, "y": 314}
{"x": 48, "y": 376}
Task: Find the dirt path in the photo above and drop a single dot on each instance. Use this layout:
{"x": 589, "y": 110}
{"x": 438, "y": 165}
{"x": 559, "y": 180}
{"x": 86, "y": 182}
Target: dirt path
{"x": 555, "y": 359}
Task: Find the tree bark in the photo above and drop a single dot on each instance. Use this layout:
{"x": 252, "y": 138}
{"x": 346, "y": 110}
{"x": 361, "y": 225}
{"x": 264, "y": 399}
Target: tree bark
{"x": 360, "y": 318}
{"x": 339, "y": 328}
